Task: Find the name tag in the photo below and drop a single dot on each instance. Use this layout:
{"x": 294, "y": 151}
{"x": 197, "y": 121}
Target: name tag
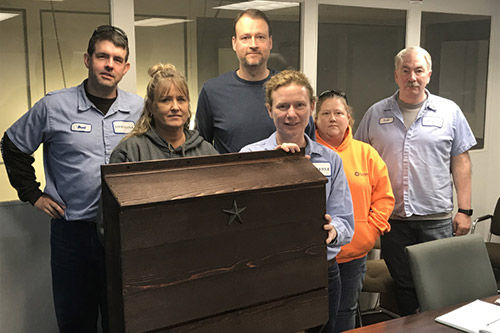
{"x": 123, "y": 126}
{"x": 388, "y": 120}
{"x": 432, "y": 121}
{"x": 81, "y": 127}
{"x": 325, "y": 168}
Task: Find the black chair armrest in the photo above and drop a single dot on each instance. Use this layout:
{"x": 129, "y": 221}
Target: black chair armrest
{"x": 479, "y": 219}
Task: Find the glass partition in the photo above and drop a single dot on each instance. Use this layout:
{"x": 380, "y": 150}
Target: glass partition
{"x": 14, "y": 95}
{"x": 459, "y": 46}
{"x": 159, "y": 39}
{"x": 195, "y": 36}
{"x": 356, "y": 49}
{"x": 65, "y": 37}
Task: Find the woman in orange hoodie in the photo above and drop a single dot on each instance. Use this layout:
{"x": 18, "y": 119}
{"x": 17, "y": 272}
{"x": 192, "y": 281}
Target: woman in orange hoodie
{"x": 371, "y": 193}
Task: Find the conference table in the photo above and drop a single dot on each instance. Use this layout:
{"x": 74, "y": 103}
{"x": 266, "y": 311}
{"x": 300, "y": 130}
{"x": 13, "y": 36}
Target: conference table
{"x": 420, "y": 322}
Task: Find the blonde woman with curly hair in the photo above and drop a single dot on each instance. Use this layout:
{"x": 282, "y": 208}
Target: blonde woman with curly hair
{"x": 163, "y": 128}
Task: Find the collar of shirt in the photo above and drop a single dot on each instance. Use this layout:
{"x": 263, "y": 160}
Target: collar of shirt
{"x": 392, "y": 105}
{"x": 120, "y": 104}
{"x": 312, "y": 149}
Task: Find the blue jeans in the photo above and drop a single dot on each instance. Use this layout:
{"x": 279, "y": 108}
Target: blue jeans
{"x": 333, "y": 297}
{"x": 78, "y": 276}
{"x": 351, "y": 277}
{"x": 404, "y": 233}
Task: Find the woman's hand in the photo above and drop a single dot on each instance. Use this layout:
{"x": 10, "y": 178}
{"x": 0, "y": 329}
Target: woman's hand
{"x": 332, "y": 233}
{"x": 289, "y": 147}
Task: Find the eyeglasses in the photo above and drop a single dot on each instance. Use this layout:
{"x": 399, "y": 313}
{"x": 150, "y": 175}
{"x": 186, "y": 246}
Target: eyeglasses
{"x": 333, "y": 92}
{"x": 107, "y": 28}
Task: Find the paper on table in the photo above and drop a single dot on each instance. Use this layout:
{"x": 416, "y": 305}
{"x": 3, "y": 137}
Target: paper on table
{"x": 475, "y": 317}
{"x": 493, "y": 327}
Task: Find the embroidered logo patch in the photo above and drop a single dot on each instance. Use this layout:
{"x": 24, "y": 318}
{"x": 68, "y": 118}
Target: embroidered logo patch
{"x": 123, "y": 126}
{"x": 81, "y": 127}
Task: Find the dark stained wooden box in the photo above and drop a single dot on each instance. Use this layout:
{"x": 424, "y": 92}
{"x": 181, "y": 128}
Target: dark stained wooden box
{"x": 228, "y": 243}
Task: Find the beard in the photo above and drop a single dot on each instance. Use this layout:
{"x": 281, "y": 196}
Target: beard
{"x": 252, "y": 62}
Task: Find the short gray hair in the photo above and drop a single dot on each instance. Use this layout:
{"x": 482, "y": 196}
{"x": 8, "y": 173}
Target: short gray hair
{"x": 398, "y": 59}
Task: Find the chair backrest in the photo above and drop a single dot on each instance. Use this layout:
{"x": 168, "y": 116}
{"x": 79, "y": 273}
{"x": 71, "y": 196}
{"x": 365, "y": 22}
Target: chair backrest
{"x": 450, "y": 271}
{"x": 495, "y": 220}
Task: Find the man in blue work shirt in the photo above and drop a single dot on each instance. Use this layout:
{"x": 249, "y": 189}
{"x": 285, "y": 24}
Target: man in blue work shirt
{"x": 79, "y": 127}
{"x": 424, "y": 140}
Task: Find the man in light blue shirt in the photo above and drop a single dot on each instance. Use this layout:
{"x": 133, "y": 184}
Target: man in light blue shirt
{"x": 79, "y": 127}
{"x": 424, "y": 140}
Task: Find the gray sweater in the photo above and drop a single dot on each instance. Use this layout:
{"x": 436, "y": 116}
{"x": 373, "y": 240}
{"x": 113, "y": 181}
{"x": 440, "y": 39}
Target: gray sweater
{"x": 150, "y": 146}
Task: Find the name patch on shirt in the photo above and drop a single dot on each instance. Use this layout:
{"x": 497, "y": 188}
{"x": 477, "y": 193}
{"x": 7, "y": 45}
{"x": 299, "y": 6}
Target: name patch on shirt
{"x": 432, "y": 121}
{"x": 81, "y": 127}
{"x": 123, "y": 126}
{"x": 387, "y": 120}
{"x": 325, "y": 168}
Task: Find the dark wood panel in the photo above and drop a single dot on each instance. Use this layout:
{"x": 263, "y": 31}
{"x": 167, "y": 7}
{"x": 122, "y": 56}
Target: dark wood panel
{"x": 205, "y": 217}
{"x": 216, "y": 179}
{"x": 177, "y": 256}
{"x": 181, "y": 261}
{"x": 117, "y": 169}
{"x": 212, "y": 296}
{"x": 113, "y": 260}
{"x": 286, "y": 315}
{"x": 248, "y": 261}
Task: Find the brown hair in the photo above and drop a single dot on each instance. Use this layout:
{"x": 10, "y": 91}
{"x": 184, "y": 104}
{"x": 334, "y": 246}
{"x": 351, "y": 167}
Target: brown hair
{"x": 323, "y": 97}
{"x": 110, "y": 33}
{"x": 163, "y": 78}
{"x": 286, "y": 78}
{"x": 254, "y": 14}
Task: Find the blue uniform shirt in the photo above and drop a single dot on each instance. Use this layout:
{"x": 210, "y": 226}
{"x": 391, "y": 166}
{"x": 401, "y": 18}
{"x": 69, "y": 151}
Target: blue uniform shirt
{"x": 338, "y": 195}
{"x": 418, "y": 158}
{"x": 77, "y": 139}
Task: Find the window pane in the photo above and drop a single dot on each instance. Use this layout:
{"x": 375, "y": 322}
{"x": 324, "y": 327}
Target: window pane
{"x": 63, "y": 49}
{"x": 200, "y": 44}
{"x": 14, "y": 95}
{"x": 459, "y": 46}
{"x": 164, "y": 43}
{"x": 356, "y": 49}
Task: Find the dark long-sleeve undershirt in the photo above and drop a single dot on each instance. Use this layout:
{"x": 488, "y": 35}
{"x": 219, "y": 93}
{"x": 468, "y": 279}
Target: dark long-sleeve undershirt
{"x": 20, "y": 170}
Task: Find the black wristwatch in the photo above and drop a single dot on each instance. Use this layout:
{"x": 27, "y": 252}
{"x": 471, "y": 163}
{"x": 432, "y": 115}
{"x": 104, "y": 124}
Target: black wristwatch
{"x": 467, "y": 212}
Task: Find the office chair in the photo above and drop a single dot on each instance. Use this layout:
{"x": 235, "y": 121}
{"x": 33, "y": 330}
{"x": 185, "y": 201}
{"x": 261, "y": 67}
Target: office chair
{"x": 492, "y": 248}
{"x": 450, "y": 271}
{"x": 378, "y": 280}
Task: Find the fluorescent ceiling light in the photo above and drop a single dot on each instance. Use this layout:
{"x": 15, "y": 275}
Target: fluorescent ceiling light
{"x": 261, "y": 5}
{"x": 156, "y": 22}
{"x": 6, "y": 16}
